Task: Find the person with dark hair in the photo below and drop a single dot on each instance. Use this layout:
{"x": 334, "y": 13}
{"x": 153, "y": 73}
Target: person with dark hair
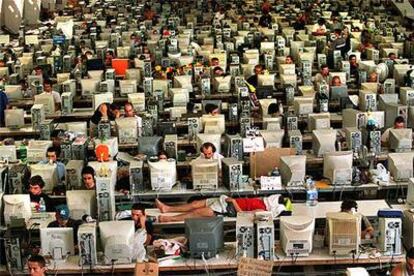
{"x": 63, "y": 219}
{"x": 224, "y": 205}
{"x": 353, "y": 66}
{"x": 350, "y": 206}
{"x": 48, "y": 89}
{"x": 209, "y": 151}
{"x": 214, "y": 62}
{"x": 211, "y": 109}
{"x": 88, "y": 178}
{"x": 289, "y": 60}
{"x": 342, "y": 42}
{"x": 322, "y": 76}
{"x": 162, "y": 155}
{"x": 218, "y": 71}
{"x": 106, "y": 110}
{"x": 139, "y": 217}
{"x": 399, "y": 123}
{"x": 36, "y": 185}
{"x": 407, "y": 268}
{"x": 129, "y": 112}
{"x": 273, "y": 110}
{"x": 52, "y": 158}
{"x": 36, "y": 265}
{"x": 109, "y": 55}
{"x": 265, "y": 20}
{"x": 319, "y": 28}
{"x": 336, "y": 81}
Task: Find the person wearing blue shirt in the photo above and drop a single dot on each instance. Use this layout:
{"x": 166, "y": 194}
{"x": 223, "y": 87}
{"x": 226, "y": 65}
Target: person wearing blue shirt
{"x": 4, "y": 104}
{"x": 51, "y": 155}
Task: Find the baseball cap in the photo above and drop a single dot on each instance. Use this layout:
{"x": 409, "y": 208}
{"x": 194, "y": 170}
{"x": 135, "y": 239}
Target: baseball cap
{"x": 63, "y": 211}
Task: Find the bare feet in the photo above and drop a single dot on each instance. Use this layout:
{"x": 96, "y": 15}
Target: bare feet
{"x": 163, "y": 207}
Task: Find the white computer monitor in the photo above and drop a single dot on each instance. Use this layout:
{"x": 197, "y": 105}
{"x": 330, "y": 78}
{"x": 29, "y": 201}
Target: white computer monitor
{"x": 183, "y": 81}
{"x": 160, "y": 85}
{"x": 14, "y": 118}
{"x": 133, "y": 74}
{"x": 48, "y": 173}
{"x": 272, "y": 123}
{"x": 127, "y": 87}
{"x": 222, "y": 84}
{"x": 101, "y": 98}
{"x": 205, "y": 173}
{"x": 127, "y": 130}
{"x": 13, "y": 92}
{"x": 16, "y": 207}
{"x": 400, "y": 165}
{"x": 36, "y": 150}
{"x": 337, "y": 167}
{"x": 48, "y": 102}
{"x": 117, "y": 240}
{"x": 96, "y": 74}
{"x": 8, "y": 153}
{"x": 343, "y": 233}
{"x": 303, "y": 105}
{"x": 400, "y": 139}
{"x": 296, "y": 235}
{"x": 319, "y": 121}
{"x": 34, "y": 80}
{"x": 272, "y": 138}
{"x": 89, "y": 86}
{"x": 213, "y": 124}
{"x": 163, "y": 174}
{"x": 57, "y": 242}
{"x": 264, "y": 104}
{"x": 266, "y": 80}
{"x": 323, "y": 141}
{"x": 292, "y": 169}
{"x": 81, "y": 202}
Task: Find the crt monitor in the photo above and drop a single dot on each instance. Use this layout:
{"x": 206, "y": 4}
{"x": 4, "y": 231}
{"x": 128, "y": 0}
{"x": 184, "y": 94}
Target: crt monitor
{"x": 8, "y": 153}
{"x": 204, "y": 173}
{"x": 48, "y": 102}
{"x": 337, "y": 167}
{"x": 14, "y": 118}
{"x": 323, "y": 141}
{"x": 120, "y": 66}
{"x": 149, "y": 145}
{"x": 264, "y": 104}
{"x": 13, "y": 92}
{"x": 95, "y": 64}
{"x": 410, "y": 193}
{"x": 101, "y": 98}
{"x": 127, "y": 87}
{"x": 81, "y": 202}
{"x": 296, "y": 235}
{"x": 16, "y": 207}
{"x": 213, "y": 124}
{"x": 117, "y": 240}
{"x": 292, "y": 169}
{"x": 343, "y": 233}
{"x": 266, "y": 80}
{"x": 273, "y": 138}
{"x": 57, "y": 242}
{"x": 337, "y": 92}
{"x": 400, "y": 165}
{"x": 48, "y": 173}
{"x": 34, "y": 80}
{"x": 183, "y": 82}
{"x": 400, "y": 139}
{"x": 222, "y": 84}
{"x": 163, "y": 174}
{"x": 272, "y": 123}
{"x": 205, "y": 236}
{"x": 89, "y": 86}
{"x": 168, "y": 127}
{"x": 160, "y": 85}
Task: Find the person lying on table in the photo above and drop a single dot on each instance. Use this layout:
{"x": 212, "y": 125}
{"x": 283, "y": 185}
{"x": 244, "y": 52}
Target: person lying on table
{"x": 223, "y": 205}
{"x": 350, "y": 206}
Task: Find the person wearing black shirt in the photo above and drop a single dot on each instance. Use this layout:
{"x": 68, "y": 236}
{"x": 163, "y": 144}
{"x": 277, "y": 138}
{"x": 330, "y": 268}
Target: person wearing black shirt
{"x": 36, "y": 185}
{"x": 63, "y": 219}
{"x": 111, "y": 111}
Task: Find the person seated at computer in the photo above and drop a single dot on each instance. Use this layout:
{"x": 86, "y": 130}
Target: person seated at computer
{"x": 209, "y": 151}
{"x": 319, "y": 28}
{"x": 211, "y": 109}
{"x": 322, "y": 76}
{"x": 106, "y": 110}
{"x": 36, "y": 185}
{"x": 399, "y": 123}
{"x": 218, "y": 16}
{"x": 63, "y": 219}
{"x": 51, "y": 158}
{"x": 129, "y": 112}
{"x": 406, "y": 268}
{"x": 218, "y": 72}
{"x": 342, "y": 42}
{"x": 353, "y": 66}
{"x": 336, "y": 81}
{"x": 252, "y": 80}
{"x": 36, "y": 265}
{"x": 289, "y": 60}
{"x": 392, "y": 56}
{"x": 162, "y": 155}
{"x": 350, "y": 206}
{"x": 109, "y": 55}
{"x": 372, "y": 77}
{"x": 214, "y": 62}
{"x": 273, "y": 110}
{"x": 222, "y": 205}
{"x": 48, "y": 90}
{"x": 88, "y": 178}
{"x": 4, "y": 104}
{"x": 139, "y": 217}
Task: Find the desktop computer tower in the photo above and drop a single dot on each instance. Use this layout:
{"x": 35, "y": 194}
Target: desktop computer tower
{"x": 18, "y": 177}
{"x": 136, "y": 179}
{"x": 232, "y": 172}
{"x": 38, "y": 115}
{"x": 194, "y": 127}
{"x": 245, "y": 123}
{"x": 45, "y": 129}
{"x": 170, "y": 145}
{"x": 67, "y": 103}
{"x": 265, "y": 236}
{"x": 295, "y": 140}
{"x": 87, "y": 244}
{"x": 147, "y": 125}
{"x": 245, "y": 235}
{"x": 104, "y": 130}
{"x": 233, "y": 146}
{"x": 74, "y": 175}
{"x": 291, "y": 122}
{"x": 79, "y": 149}
{"x": 105, "y": 198}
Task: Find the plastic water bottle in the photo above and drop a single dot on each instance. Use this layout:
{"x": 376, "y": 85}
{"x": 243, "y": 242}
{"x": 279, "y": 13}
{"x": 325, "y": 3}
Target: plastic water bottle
{"x": 311, "y": 193}
{"x": 42, "y": 205}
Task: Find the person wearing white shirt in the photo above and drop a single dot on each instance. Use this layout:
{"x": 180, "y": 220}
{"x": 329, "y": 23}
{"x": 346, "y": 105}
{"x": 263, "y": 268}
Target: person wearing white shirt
{"x": 48, "y": 89}
{"x": 319, "y": 28}
{"x": 129, "y": 112}
{"x": 208, "y": 151}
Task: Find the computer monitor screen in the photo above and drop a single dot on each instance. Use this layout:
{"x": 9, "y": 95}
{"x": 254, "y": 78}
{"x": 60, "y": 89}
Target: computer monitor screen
{"x": 273, "y": 138}
{"x": 149, "y": 145}
{"x": 400, "y": 165}
{"x": 81, "y": 202}
{"x": 292, "y": 169}
{"x": 16, "y": 207}
{"x": 96, "y": 74}
{"x": 296, "y": 235}
{"x": 14, "y": 118}
{"x": 400, "y": 139}
{"x": 213, "y": 124}
{"x": 48, "y": 173}
{"x": 323, "y": 141}
{"x": 183, "y": 82}
{"x": 205, "y": 236}
{"x": 205, "y": 173}
{"x": 127, "y": 86}
{"x": 337, "y": 167}
{"x": 89, "y": 86}
{"x": 101, "y": 98}
{"x": 163, "y": 174}
{"x": 222, "y": 84}
{"x": 120, "y": 66}
{"x": 95, "y": 64}
{"x": 337, "y": 92}
{"x": 272, "y": 123}
{"x": 13, "y": 92}
{"x": 57, "y": 242}
{"x": 48, "y": 102}
{"x": 8, "y": 153}
{"x": 343, "y": 233}
{"x": 117, "y": 240}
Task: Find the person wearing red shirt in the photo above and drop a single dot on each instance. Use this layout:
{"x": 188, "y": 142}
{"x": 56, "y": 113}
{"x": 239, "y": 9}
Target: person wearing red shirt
{"x": 218, "y": 206}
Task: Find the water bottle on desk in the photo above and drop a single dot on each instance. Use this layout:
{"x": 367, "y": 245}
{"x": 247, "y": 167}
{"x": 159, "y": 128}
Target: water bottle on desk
{"x": 42, "y": 205}
{"x": 311, "y": 193}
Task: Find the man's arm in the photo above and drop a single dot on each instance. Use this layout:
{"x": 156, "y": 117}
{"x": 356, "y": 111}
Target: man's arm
{"x": 234, "y": 202}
